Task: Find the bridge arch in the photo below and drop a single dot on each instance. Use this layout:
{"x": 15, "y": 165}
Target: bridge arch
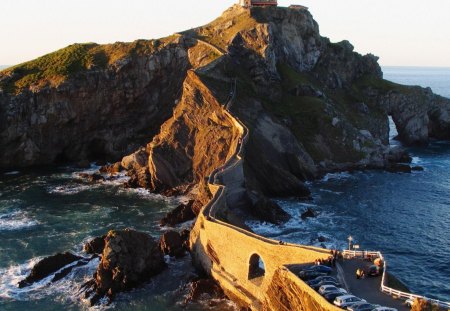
{"x": 256, "y": 268}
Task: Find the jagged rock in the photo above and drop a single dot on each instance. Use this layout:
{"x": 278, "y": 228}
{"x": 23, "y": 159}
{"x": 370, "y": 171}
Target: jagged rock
{"x": 111, "y": 169}
{"x": 47, "y": 266}
{"x": 92, "y": 177}
{"x": 310, "y": 213}
{"x": 417, "y": 168}
{"x": 139, "y": 178}
{"x": 135, "y": 161}
{"x": 172, "y": 244}
{"x": 180, "y": 214}
{"x": 398, "y": 155}
{"x": 95, "y": 246}
{"x": 204, "y": 287}
{"x": 129, "y": 259}
{"x": 399, "y": 168}
{"x": 322, "y": 239}
{"x": 266, "y": 210}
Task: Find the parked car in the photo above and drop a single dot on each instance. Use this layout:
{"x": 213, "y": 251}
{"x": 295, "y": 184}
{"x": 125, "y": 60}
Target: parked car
{"x": 384, "y": 309}
{"x": 362, "y": 306}
{"x": 309, "y": 275}
{"x": 330, "y": 288}
{"x": 331, "y": 296}
{"x": 347, "y": 301}
{"x": 321, "y": 269}
{"x": 320, "y": 279}
{"x": 317, "y": 286}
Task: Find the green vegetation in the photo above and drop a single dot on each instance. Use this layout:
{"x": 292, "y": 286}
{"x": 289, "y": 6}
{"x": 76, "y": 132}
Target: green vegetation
{"x": 221, "y": 40}
{"x": 381, "y": 85}
{"x": 54, "y": 68}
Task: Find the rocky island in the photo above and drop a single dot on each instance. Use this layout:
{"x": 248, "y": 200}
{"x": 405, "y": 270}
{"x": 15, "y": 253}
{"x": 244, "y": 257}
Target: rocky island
{"x": 248, "y": 107}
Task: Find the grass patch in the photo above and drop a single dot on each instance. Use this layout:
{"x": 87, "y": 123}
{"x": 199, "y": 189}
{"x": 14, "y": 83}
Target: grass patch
{"x": 55, "y": 68}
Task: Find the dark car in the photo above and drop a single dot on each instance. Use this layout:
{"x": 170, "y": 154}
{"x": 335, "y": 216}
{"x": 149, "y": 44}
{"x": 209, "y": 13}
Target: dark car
{"x": 320, "y": 279}
{"x": 363, "y": 306}
{"x": 309, "y": 275}
{"x": 330, "y": 297}
{"x": 320, "y": 268}
{"x": 316, "y": 286}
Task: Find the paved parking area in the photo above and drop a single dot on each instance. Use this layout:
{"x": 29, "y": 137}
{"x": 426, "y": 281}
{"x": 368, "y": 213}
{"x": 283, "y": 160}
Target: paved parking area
{"x": 367, "y": 288}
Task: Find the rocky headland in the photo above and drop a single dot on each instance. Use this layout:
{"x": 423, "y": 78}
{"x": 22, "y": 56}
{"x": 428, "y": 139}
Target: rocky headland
{"x": 169, "y": 113}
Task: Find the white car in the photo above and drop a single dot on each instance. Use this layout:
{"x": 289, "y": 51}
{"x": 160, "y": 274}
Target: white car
{"x": 346, "y": 301}
{"x": 330, "y": 288}
{"x": 384, "y": 309}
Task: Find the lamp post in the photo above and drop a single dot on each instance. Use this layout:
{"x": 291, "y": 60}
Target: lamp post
{"x": 350, "y": 239}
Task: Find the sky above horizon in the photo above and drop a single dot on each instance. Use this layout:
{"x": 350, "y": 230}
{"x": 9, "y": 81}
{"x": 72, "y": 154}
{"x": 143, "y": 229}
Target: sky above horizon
{"x": 401, "y": 32}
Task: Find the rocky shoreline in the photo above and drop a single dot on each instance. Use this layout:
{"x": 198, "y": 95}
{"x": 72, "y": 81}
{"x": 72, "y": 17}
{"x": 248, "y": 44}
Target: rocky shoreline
{"x": 311, "y": 107}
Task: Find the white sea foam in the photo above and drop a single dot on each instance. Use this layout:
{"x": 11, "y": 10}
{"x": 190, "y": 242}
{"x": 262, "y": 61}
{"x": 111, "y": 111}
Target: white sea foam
{"x": 16, "y": 220}
{"x": 12, "y": 173}
{"x": 337, "y": 176}
{"x": 66, "y": 289}
{"x": 70, "y": 189}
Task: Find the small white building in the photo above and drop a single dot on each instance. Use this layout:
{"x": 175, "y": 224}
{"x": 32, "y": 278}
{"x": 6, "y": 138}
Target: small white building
{"x": 249, "y": 3}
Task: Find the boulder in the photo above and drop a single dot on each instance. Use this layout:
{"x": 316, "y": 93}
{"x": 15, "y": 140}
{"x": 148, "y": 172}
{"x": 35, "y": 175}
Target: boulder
{"x": 95, "y": 246}
{"x": 92, "y": 178}
{"x": 129, "y": 259}
{"x": 111, "y": 169}
{"x": 417, "y": 168}
{"x": 204, "y": 287}
{"x": 399, "y": 168}
{"x": 180, "y": 214}
{"x": 322, "y": 239}
{"x": 172, "y": 244}
{"x": 139, "y": 178}
{"x": 398, "y": 155}
{"x": 47, "y": 266}
{"x": 309, "y": 213}
{"x": 266, "y": 210}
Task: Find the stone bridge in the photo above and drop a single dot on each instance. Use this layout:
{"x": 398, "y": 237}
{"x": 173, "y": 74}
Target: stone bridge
{"x": 251, "y": 269}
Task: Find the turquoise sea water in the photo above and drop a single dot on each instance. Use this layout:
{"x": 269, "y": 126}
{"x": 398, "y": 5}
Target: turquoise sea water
{"x": 406, "y": 216}
{"x": 46, "y": 211}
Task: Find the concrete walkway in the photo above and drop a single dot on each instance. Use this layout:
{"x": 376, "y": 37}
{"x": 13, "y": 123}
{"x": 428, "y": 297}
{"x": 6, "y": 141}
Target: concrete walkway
{"x": 367, "y": 288}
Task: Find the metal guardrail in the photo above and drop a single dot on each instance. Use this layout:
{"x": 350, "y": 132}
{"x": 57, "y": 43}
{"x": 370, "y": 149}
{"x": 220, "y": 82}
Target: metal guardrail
{"x": 386, "y": 289}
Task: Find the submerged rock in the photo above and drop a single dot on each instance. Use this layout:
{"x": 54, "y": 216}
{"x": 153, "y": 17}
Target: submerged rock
{"x": 129, "y": 259}
{"x": 399, "y": 168}
{"x": 47, "y": 266}
{"x": 310, "y": 213}
{"x": 173, "y": 244}
{"x": 204, "y": 287}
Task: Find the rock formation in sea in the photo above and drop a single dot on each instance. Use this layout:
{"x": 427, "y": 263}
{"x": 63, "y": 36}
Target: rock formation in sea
{"x": 129, "y": 258}
{"x": 166, "y": 111}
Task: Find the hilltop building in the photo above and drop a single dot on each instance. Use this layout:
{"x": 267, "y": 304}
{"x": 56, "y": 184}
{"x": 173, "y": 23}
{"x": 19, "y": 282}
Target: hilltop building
{"x": 249, "y": 3}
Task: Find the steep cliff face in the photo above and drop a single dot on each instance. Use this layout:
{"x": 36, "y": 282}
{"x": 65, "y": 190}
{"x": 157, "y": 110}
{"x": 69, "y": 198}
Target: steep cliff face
{"x": 198, "y": 138}
{"x": 101, "y": 102}
{"x": 311, "y": 106}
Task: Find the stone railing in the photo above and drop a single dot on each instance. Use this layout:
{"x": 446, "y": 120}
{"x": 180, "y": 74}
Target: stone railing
{"x": 225, "y": 251}
{"x": 386, "y": 289}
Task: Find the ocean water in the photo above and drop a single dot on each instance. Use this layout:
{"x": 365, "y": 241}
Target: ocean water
{"x": 46, "y": 211}
{"x": 406, "y": 216}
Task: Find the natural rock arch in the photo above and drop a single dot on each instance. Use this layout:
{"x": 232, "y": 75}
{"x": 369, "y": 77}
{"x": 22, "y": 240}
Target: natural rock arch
{"x": 256, "y": 268}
